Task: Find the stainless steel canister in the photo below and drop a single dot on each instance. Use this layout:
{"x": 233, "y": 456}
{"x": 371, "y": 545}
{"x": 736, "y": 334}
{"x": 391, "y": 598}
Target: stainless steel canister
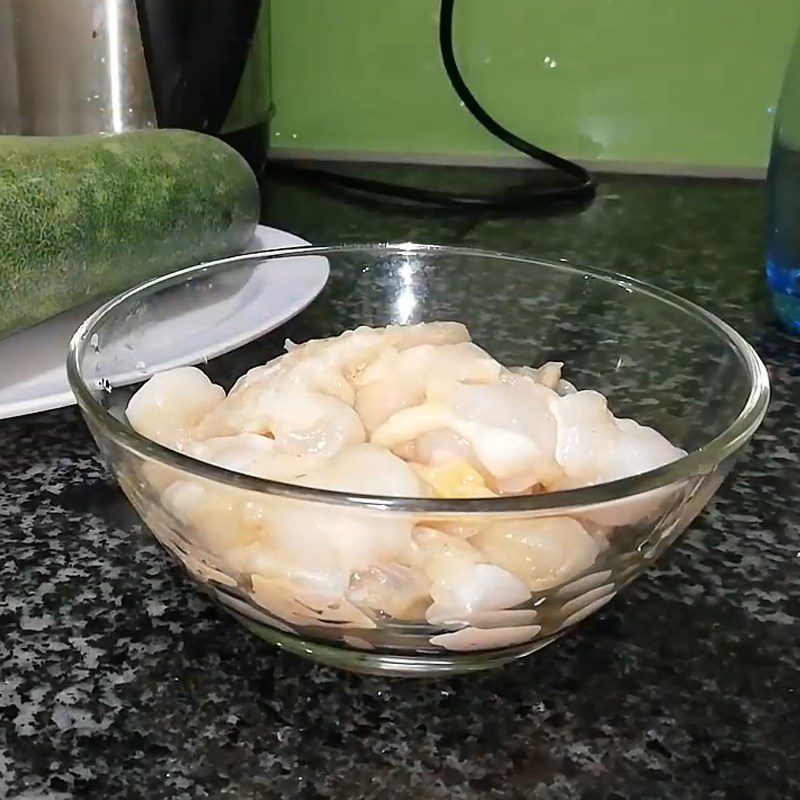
{"x": 72, "y": 66}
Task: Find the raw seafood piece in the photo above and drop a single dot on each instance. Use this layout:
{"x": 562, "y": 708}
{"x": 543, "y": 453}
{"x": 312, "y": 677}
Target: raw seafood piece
{"x": 429, "y": 544}
{"x": 253, "y": 454}
{"x": 469, "y": 638}
{"x": 301, "y": 422}
{"x": 459, "y": 590}
{"x": 171, "y": 403}
{"x": 213, "y": 513}
{"x": 392, "y": 589}
{"x": 594, "y": 447}
{"x": 509, "y": 427}
{"x": 399, "y": 379}
{"x": 442, "y": 445}
{"x": 324, "y": 546}
{"x": 302, "y": 608}
{"x": 462, "y": 584}
{"x": 328, "y": 365}
{"x": 306, "y": 561}
{"x": 358, "y": 468}
{"x": 456, "y": 478}
{"x": 542, "y": 552}
{"x": 549, "y": 375}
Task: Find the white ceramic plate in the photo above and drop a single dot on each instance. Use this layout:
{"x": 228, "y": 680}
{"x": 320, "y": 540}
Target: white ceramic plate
{"x": 32, "y": 367}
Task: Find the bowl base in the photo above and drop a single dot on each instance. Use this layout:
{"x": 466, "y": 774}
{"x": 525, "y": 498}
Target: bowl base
{"x": 398, "y": 665}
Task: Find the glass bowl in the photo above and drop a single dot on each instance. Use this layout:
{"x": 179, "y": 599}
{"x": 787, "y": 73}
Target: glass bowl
{"x": 659, "y": 359}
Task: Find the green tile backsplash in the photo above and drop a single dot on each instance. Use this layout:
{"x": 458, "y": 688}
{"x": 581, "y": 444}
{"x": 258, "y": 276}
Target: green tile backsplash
{"x": 648, "y": 82}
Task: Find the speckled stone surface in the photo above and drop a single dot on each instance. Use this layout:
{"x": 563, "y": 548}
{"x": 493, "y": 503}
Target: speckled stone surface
{"x": 117, "y": 679}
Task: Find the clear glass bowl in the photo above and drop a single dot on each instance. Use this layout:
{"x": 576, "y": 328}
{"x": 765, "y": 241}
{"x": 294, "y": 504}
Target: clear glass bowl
{"x": 659, "y": 359}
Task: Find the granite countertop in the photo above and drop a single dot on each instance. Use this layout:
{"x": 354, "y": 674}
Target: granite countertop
{"x": 118, "y": 679}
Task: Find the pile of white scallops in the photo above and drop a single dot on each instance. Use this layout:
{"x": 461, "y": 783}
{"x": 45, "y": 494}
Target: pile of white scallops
{"x": 402, "y": 411}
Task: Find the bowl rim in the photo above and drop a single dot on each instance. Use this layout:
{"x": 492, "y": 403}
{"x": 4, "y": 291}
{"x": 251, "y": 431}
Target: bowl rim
{"x": 696, "y": 463}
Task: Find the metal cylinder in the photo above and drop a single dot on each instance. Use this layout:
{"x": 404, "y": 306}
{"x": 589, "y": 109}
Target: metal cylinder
{"x": 72, "y": 66}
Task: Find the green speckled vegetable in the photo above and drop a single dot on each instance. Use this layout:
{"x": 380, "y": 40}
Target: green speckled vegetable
{"x": 89, "y": 216}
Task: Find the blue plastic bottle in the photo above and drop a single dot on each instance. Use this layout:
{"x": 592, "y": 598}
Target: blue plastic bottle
{"x": 783, "y": 181}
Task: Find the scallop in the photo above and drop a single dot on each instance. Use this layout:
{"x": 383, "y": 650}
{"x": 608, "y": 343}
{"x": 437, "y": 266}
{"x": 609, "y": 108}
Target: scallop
{"x": 212, "y": 513}
{"x": 464, "y": 589}
{"x": 429, "y": 545}
{"x": 302, "y": 423}
{"x": 297, "y": 607}
{"x": 365, "y": 468}
{"x": 360, "y": 538}
{"x": 400, "y": 379}
{"x": 303, "y": 560}
{"x": 435, "y": 333}
{"x": 549, "y": 375}
{"x": 518, "y": 407}
{"x": 330, "y": 365}
{"x": 455, "y": 479}
{"x": 171, "y": 403}
{"x": 318, "y": 546}
{"x": 508, "y": 426}
{"x": 595, "y": 447}
{"x": 470, "y": 638}
{"x": 461, "y": 582}
{"x": 542, "y": 552}
{"x": 442, "y": 445}
{"x": 392, "y": 589}
{"x": 253, "y": 454}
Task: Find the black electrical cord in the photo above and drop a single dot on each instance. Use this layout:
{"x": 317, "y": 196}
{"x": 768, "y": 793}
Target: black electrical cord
{"x": 580, "y": 186}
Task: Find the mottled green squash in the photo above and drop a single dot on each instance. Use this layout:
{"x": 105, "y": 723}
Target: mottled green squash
{"x": 88, "y": 216}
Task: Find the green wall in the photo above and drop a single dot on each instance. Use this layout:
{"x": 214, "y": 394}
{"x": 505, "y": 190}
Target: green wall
{"x": 665, "y": 82}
